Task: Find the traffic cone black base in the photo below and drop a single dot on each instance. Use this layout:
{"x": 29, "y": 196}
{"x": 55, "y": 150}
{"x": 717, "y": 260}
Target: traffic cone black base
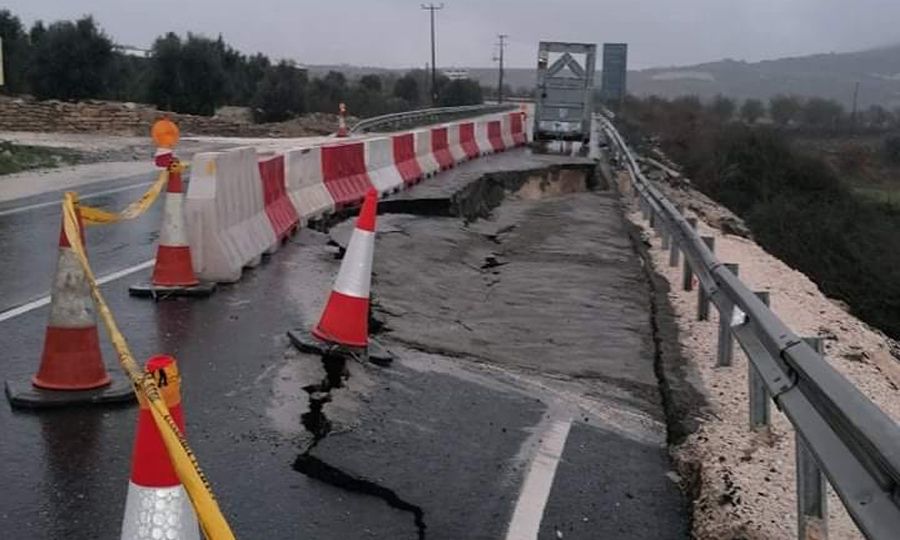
{"x": 23, "y": 394}
{"x": 160, "y": 292}
{"x": 304, "y": 341}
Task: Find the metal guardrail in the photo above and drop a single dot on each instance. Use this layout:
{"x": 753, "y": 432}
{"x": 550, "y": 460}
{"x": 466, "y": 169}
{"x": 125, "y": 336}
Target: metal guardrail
{"x": 402, "y": 120}
{"x": 838, "y": 430}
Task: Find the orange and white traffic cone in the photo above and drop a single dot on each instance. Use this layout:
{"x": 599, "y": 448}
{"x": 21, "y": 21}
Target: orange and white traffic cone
{"x": 173, "y": 273}
{"x": 157, "y": 505}
{"x": 344, "y": 324}
{"x": 72, "y": 369}
{"x": 345, "y": 320}
{"x": 342, "y": 121}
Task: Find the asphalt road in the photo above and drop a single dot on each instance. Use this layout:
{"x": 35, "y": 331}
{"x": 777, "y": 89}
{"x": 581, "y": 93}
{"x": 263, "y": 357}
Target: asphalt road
{"x": 523, "y": 396}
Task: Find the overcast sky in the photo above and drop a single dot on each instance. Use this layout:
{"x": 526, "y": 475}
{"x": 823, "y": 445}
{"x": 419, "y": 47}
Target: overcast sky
{"x": 394, "y": 33}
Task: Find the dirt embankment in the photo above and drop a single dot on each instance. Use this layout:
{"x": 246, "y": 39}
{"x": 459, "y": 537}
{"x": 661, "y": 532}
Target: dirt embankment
{"x": 134, "y": 119}
{"x": 745, "y": 480}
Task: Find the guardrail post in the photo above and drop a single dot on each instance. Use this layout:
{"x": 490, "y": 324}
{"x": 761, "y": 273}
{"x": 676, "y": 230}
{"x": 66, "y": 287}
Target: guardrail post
{"x": 812, "y": 509}
{"x": 687, "y": 276}
{"x": 702, "y": 296}
{"x": 645, "y": 207}
{"x": 663, "y": 234}
{"x": 726, "y": 342}
{"x": 674, "y": 255}
{"x": 758, "y": 394}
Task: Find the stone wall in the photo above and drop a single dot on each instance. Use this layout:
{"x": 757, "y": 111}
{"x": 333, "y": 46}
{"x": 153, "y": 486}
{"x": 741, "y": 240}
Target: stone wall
{"x": 115, "y": 118}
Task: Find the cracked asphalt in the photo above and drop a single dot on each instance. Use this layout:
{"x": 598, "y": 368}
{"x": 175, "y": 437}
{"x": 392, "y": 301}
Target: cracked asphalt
{"x": 505, "y": 322}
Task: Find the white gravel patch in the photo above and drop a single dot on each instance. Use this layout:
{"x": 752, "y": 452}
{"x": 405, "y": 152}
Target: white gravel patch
{"x": 747, "y": 479}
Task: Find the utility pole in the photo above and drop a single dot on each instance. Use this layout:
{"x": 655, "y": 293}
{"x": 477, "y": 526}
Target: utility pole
{"x": 501, "y": 44}
{"x": 432, "y": 8}
{"x": 855, "y": 104}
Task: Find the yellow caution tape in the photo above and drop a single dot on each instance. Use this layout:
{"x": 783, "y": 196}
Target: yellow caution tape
{"x": 97, "y": 216}
{"x": 212, "y": 522}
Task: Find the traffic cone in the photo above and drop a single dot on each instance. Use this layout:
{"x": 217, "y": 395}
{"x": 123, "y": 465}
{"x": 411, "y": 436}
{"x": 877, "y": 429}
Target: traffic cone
{"x": 342, "y": 121}
{"x": 71, "y": 369}
{"x": 157, "y": 505}
{"x": 345, "y": 320}
{"x": 173, "y": 273}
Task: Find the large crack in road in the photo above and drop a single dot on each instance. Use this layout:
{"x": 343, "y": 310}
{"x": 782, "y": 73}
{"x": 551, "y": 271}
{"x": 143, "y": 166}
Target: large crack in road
{"x": 316, "y": 422}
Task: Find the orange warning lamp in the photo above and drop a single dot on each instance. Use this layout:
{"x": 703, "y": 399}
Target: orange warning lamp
{"x": 165, "y": 133}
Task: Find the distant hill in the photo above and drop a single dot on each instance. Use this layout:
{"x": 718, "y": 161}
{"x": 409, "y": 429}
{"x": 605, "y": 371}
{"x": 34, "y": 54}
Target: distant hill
{"x": 831, "y": 76}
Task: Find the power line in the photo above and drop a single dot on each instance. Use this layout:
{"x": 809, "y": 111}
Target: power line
{"x": 501, "y": 45}
{"x": 432, "y": 8}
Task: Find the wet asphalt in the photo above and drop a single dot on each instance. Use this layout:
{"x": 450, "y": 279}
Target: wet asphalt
{"x": 436, "y": 445}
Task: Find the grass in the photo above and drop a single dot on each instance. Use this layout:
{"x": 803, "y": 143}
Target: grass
{"x": 16, "y": 158}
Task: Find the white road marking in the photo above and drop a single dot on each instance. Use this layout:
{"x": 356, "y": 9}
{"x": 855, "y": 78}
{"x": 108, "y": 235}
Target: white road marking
{"x": 35, "y": 206}
{"x": 45, "y": 300}
{"x": 526, "y": 520}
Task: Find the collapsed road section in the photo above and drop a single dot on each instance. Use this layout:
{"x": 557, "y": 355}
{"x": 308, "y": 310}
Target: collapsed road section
{"x": 516, "y": 273}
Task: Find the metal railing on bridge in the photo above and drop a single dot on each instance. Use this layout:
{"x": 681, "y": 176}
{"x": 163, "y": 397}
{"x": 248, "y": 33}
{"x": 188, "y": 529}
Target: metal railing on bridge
{"x": 409, "y": 119}
{"x": 838, "y": 430}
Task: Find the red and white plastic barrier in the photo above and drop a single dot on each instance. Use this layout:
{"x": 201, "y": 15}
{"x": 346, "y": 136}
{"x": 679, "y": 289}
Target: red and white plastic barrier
{"x": 506, "y": 132}
{"x": 282, "y": 214}
{"x": 405, "y": 158}
{"x": 305, "y": 184}
{"x": 344, "y": 173}
{"x": 228, "y": 226}
{"x": 481, "y": 137}
{"x": 455, "y": 144}
{"x": 467, "y": 140}
{"x": 239, "y": 207}
{"x": 381, "y": 165}
{"x": 425, "y": 153}
{"x": 517, "y": 127}
{"x": 440, "y": 148}
{"x": 495, "y": 135}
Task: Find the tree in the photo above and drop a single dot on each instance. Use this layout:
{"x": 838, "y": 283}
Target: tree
{"x": 459, "y": 92}
{"x": 16, "y": 53}
{"x": 784, "y": 109}
{"x": 723, "y": 108}
{"x": 891, "y": 149}
{"x": 281, "y": 94}
{"x": 371, "y": 83}
{"x": 187, "y": 76}
{"x": 71, "y": 61}
{"x": 407, "y": 89}
{"x": 326, "y": 93}
{"x": 822, "y": 113}
{"x": 752, "y": 110}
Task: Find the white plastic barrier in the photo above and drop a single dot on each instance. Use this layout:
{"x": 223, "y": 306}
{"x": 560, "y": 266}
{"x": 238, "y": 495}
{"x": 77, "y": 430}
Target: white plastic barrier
{"x": 456, "y": 149}
{"x": 225, "y": 214}
{"x": 481, "y": 136}
{"x": 506, "y": 131}
{"x": 381, "y": 167}
{"x": 305, "y": 185}
{"x": 424, "y": 153}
